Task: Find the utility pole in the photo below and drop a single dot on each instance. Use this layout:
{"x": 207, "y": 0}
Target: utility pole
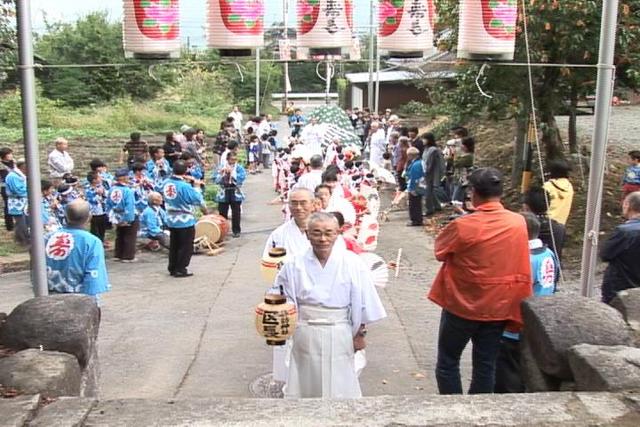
{"x": 377, "y": 100}
{"x": 257, "y": 81}
{"x": 370, "y": 86}
{"x": 285, "y": 12}
{"x": 30, "y": 135}
{"x": 604, "y": 93}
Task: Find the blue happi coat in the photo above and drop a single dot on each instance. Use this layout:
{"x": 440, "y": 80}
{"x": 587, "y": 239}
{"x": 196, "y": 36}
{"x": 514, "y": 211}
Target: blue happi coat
{"x": 96, "y": 200}
{"x": 180, "y": 199}
{"x": 152, "y": 221}
{"x": 121, "y": 204}
{"x": 230, "y": 184}
{"x": 158, "y": 173}
{"x": 16, "y": 187}
{"x": 75, "y": 262}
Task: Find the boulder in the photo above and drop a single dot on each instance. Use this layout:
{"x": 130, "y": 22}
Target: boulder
{"x": 67, "y": 323}
{"x": 556, "y": 323}
{"x": 627, "y": 302}
{"x": 535, "y": 381}
{"x": 603, "y": 368}
{"x": 18, "y": 411}
{"x": 49, "y": 373}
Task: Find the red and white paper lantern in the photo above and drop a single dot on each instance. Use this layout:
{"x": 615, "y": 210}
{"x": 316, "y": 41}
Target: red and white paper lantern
{"x": 235, "y": 24}
{"x": 405, "y": 27}
{"x": 151, "y": 28}
{"x": 487, "y": 29}
{"x": 324, "y": 26}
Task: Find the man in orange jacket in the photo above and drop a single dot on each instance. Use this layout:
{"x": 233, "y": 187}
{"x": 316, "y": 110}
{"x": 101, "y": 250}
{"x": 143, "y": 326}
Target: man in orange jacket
{"x": 484, "y": 276}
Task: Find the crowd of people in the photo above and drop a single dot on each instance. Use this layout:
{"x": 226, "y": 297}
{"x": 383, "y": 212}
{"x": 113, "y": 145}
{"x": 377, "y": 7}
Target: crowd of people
{"x": 329, "y": 193}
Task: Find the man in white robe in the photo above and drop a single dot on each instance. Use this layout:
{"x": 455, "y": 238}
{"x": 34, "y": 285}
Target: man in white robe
{"x": 292, "y": 236}
{"x": 313, "y": 178}
{"x": 311, "y": 135}
{"x": 378, "y": 144}
{"x": 335, "y": 297}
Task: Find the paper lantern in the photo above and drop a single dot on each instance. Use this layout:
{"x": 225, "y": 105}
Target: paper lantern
{"x": 151, "y": 28}
{"x": 235, "y": 26}
{"x": 271, "y": 264}
{"x": 487, "y": 29}
{"x": 276, "y": 319}
{"x": 324, "y": 26}
{"x": 405, "y": 27}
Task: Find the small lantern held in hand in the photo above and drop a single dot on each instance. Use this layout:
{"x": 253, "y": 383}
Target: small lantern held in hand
{"x": 276, "y": 319}
{"x": 272, "y": 263}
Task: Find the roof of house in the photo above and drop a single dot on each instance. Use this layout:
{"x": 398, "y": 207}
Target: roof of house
{"x": 437, "y": 66}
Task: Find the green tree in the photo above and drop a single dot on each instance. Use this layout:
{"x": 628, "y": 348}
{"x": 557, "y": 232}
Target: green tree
{"x": 8, "y": 44}
{"x": 559, "y": 32}
{"x": 91, "y": 40}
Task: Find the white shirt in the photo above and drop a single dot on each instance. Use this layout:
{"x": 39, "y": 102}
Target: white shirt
{"x": 237, "y": 119}
{"x": 310, "y": 180}
{"x": 378, "y": 147}
{"x": 290, "y": 237}
{"x": 344, "y": 282}
{"x": 60, "y": 162}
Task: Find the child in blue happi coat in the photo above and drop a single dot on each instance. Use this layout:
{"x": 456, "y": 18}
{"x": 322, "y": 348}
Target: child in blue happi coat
{"x": 545, "y": 272}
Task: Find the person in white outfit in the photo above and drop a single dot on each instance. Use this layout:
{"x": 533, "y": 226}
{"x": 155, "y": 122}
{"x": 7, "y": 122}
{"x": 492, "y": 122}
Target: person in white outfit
{"x": 378, "y": 144}
{"x": 336, "y": 299}
{"x": 60, "y": 162}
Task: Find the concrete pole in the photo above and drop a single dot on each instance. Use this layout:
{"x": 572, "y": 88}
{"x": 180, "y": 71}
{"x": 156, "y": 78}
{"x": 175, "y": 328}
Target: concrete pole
{"x": 604, "y": 93}
{"x": 285, "y": 13}
{"x": 30, "y": 135}
{"x": 257, "y": 82}
{"x": 328, "y": 83}
{"x": 377, "y": 101}
{"x": 370, "y": 86}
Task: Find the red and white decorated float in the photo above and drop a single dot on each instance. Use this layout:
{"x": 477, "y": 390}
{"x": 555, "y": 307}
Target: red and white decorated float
{"x": 487, "y": 29}
{"x": 151, "y": 28}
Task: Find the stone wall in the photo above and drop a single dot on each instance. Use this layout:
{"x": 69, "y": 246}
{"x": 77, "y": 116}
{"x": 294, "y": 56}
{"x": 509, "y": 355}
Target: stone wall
{"x": 54, "y": 344}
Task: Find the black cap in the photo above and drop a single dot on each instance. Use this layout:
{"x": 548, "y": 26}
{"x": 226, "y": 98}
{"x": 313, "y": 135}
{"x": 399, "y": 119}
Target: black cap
{"x": 486, "y": 182}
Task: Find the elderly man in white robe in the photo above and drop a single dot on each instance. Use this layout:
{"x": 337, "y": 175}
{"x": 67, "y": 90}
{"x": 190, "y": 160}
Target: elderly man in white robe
{"x": 292, "y": 236}
{"x": 335, "y": 297}
{"x": 311, "y": 135}
{"x": 378, "y": 144}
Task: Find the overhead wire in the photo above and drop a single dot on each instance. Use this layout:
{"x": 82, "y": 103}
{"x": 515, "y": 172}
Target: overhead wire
{"x": 534, "y": 118}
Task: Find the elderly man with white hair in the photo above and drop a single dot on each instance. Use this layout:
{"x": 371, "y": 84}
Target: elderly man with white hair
{"x": 60, "y": 162}
{"x": 293, "y": 238}
{"x": 334, "y": 294}
{"x": 75, "y": 257}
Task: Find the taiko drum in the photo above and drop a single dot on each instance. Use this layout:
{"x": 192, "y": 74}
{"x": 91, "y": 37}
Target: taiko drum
{"x": 214, "y": 227}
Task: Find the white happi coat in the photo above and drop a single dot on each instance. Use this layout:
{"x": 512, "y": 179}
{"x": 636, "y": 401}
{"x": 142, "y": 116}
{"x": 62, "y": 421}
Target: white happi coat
{"x": 332, "y": 302}
{"x": 294, "y": 240}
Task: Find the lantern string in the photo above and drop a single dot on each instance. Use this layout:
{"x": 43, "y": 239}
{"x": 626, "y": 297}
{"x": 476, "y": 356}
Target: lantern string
{"x": 239, "y": 68}
{"x": 481, "y": 74}
{"x": 341, "y": 61}
{"x": 534, "y": 118}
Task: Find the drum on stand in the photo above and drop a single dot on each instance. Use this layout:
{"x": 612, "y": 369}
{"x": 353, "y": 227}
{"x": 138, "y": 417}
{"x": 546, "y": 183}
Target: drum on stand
{"x": 214, "y": 227}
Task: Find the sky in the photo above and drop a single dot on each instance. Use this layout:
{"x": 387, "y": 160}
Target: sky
{"x": 192, "y": 14}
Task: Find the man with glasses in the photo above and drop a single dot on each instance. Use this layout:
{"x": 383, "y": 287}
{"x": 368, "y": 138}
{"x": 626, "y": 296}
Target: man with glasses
{"x": 292, "y": 236}
{"x": 335, "y": 297}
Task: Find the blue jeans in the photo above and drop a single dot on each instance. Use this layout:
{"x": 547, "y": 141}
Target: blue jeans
{"x": 455, "y": 333}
